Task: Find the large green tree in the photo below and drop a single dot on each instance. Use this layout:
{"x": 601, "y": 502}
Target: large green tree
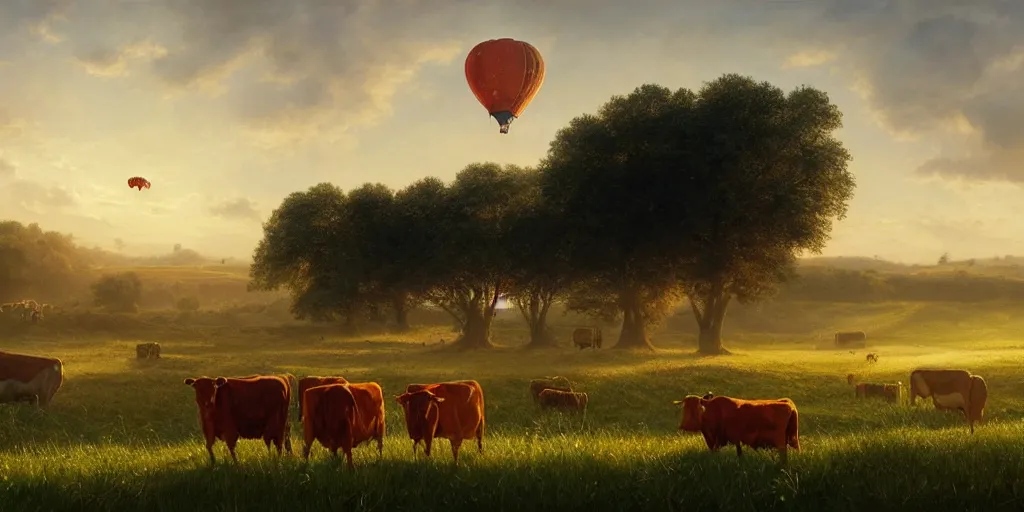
{"x": 759, "y": 178}
{"x": 539, "y": 270}
{"x": 469, "y": 259}
{"x": 712, "y": 193}
{"x": 604, "y": 175}
{"x": 309, "y": 248}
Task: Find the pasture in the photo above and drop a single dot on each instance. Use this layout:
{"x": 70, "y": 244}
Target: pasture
{"x": 124, "y": 435}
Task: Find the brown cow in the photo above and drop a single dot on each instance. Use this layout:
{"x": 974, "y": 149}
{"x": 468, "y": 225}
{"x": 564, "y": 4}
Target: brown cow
{"x": 951, "y": 389}
{"x": 313, "y": 381}
{"x": 851, "y": 379}
{"x": 147, "y": 351}
{"x": 890, "y": 392}
{"x": 343, "y": 416}
{"x": 584, "y": 337}
{"x": 450, "y": 410}
{"x": 871, "y": 357}
{"x": 29, "y": 378}
{"x": 755, "y": 423}
{"x": 568, "y": 400}
{"x": 243, "y": 408}
{"x": 538, "y": 385}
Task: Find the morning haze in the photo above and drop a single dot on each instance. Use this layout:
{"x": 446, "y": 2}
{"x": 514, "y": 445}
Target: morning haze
{"x": 756, "y": 200}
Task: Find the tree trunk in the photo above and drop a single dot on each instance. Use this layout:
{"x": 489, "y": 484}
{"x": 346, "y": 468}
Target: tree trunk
{"x": 534, "y": 309}
{"x": 634, "y": 328}
{"x": 710, "y": 321}
{"x": 400, "y": 307}
{"x": 476, "y": 333}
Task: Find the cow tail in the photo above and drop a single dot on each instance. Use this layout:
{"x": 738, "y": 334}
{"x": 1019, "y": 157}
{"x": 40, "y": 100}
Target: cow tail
{"x": 793, "y": 430}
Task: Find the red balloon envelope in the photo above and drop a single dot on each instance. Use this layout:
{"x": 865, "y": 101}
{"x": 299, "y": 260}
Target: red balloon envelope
{"x": 138, "y": 181}
{"x": 504, "y": 75}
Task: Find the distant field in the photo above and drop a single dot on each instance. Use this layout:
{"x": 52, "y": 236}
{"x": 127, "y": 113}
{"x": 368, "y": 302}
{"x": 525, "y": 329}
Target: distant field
{"x": 124, "y": 436}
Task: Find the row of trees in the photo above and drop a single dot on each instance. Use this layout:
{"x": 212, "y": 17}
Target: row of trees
{"x": 661, "y": 196}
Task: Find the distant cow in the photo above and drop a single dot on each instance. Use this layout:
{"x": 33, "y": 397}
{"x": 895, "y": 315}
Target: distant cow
{"x": 890, "y": 392}
{"x": 451, "y": 410}
{"x": 951, "y": 389}
{"x": 565, "y": 400}
{"x": 851, "y": 379}
{"x": 147, "y": 351}
{"x": 584, "y": 337}
{"x": 243, "y": 408}
{"x": 343, "y": 416}
{"x": 854, "y": 338}
{"x": 29, "y": 378}
{"x": 313, "y": 381}
{"x": 538, "y": 385}
{"x": 754, "y": 423}
{"x": 872, "y": 357}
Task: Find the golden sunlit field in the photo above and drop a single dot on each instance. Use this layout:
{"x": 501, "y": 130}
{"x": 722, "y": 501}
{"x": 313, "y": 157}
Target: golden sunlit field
{"x": 124, "y": 435}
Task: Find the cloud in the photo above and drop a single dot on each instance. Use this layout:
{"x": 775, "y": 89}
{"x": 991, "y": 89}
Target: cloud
{"x": 241, "y": 208}
{"x": 115, "y": 62}
{"x": 6, "y": 168}
{"x": 37, "y": 197}
{"x": 302, "y": 68}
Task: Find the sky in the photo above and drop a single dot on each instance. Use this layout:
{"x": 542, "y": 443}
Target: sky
{"x": 227, "y": 106}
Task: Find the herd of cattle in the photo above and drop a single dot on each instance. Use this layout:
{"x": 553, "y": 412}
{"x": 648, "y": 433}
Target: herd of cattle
{"x": 25, "y": 310}
{"x": 341, "y": 415}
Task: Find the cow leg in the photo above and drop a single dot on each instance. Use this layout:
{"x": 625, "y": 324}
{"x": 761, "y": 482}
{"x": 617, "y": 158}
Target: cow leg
{"x": 783, "y": 454}
{"x": 209, "y": 449}
{"x": 305, "y": 451}
{"x": 232, "y": 441}
{"x": 287, "y": 443}
{"x": 739, "y": 450}
{"x": 480, "y": 437}
{"x": 456, "y": 443}
{"x": 427, "y": 442}
{"x": 267, "y": 441}
{"x": 414, "y": 443}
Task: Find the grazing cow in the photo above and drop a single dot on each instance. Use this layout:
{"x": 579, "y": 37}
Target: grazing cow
{"x": 147, "y": 351}
{"x": 538, "y": 385}
{"x": 848, "y": 339}
{"x": 584, "y": 337}
{"x": 343, "y": 416}
{"x": 451, "y": 410}
{"x": 890, "y": 392}
{"x": 951, "y": 390}
{"x": 755, "y": 423}
{"x": 872, "y": 357}
{"x": 29, "y": 378}
{"x": 313, "y": 381}
{"x": 243, "y": 408}
{"x": 566, "y": 400}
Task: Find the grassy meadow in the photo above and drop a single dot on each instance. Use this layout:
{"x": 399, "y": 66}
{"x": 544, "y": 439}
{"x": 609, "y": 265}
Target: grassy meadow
{"x": 124, "y": 435}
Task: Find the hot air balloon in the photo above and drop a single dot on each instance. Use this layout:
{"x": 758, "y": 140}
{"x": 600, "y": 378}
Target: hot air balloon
{"x": 138, "y": 181}
{"x": 504, "y": 75}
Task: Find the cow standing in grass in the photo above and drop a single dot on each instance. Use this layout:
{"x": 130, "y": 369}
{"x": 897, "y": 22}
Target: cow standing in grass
{"x": 539, "y": 385}
{"x": 343, "y": 416}
{"x": 754, "y": 423}
{"x": 951, "y": 390}
{"x": 25, "y": 378}
{"x": 451, "y": 410}
{"x": 243, "y": 408}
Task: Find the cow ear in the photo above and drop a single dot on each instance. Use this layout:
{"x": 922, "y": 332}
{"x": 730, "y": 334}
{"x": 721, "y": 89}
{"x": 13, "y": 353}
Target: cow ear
{"x": 400, "y": 399}
{"x": 220, "y": 381}
{"x": 677, "y": 402}
{"x": 189, "y": 381}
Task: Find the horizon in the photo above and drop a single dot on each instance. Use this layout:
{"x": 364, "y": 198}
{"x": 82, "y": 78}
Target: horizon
{"x": 229, "y": 115}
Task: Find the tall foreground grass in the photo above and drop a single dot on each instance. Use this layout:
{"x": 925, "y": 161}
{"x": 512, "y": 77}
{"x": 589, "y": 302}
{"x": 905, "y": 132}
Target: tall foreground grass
{"x": 124, "y": 436}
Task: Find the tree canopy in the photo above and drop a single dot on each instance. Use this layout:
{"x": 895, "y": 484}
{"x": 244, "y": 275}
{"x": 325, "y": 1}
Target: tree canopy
{"x": 660, "y": 196}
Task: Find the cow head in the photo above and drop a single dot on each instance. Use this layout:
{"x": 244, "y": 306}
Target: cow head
{"x": 206, "y": 390}
{"x": 693, "y": 412}
{"x": 417, "y": 406}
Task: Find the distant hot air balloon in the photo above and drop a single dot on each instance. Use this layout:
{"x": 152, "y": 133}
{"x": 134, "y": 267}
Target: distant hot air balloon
{"x": 138, "y": 181}
{"x": 504, "y": 75}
